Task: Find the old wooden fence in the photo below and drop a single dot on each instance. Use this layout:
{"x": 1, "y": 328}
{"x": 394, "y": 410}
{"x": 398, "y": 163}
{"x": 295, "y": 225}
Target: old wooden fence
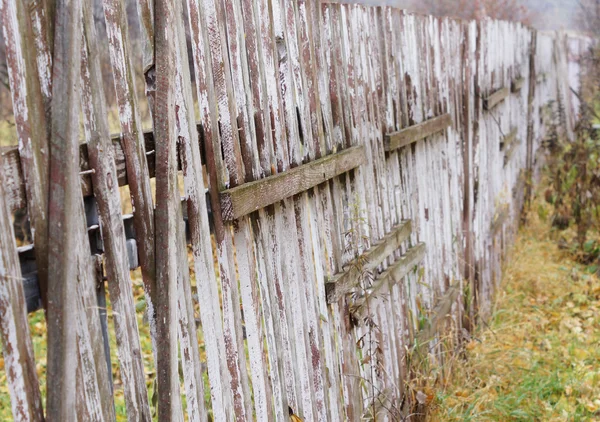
{"x": 351, "y": 180}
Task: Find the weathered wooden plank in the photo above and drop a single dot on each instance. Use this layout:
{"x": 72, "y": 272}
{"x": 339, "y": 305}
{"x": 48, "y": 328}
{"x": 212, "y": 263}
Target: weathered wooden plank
{"x": 194, "y": 186}
{"x": 30, "y": 119}
{"x": 136, "y": 160}
{"x": 417, "y": 132}
{"x": 249, "y": 197}
{"x": 312, "y": 94}
{"x": 101, "y": 156}
{"x": 346, "y": 281}
{"x": 496, "y": 98}
{"x": 17, "y": 348}
{"x": 265, "y": 130}
{"x": 210, "y": 312}
{"x": 167, "y": 214}
{"x": 225, "y": 169}
{"x": 330, "y": 47}
{"x": 74, "y": 334}
{"x": 516, "y": 85}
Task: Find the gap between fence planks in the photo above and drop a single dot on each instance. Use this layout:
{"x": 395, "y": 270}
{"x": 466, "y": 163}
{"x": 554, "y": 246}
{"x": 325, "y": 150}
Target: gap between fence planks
{"x": 417, "y": 132}
{"x": 346, "y": 281}
{"x": 496, "y": 98}
{"x": 249, "y": 197}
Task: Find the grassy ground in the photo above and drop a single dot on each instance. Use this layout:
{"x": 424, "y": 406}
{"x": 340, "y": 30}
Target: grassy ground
{"x": 539, "y": 359}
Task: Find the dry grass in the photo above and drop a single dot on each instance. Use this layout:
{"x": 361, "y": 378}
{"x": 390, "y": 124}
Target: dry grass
{"x": 539, "y": 359}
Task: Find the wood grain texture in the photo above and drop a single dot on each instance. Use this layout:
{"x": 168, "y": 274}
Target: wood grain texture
{"x": 134, "y": 151}
{"x": 29, "y": 90}
{"x": 74, "y": 333}
{"x": 417, "y": 132}
{"x": 496, "y": 98}
{"x": 226, "y": 169}
{"x": 210, "y": 311}
{"x": 253, "y": 196}
{"x": 188, "y": 148}
{"x": 167, "y": 214}
{"x": 346, "y": 281}
{"x": 17, "y": 347}
{"x": 106, "y": 192}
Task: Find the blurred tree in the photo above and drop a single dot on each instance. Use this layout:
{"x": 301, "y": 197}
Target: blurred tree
{"x": 587, "y": 16}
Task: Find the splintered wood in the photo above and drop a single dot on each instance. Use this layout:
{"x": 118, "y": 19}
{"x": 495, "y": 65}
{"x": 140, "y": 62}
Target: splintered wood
{"x": 342, "y": 168}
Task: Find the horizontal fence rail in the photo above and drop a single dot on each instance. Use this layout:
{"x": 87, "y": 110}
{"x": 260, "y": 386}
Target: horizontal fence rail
{"x": 326, "y": 189}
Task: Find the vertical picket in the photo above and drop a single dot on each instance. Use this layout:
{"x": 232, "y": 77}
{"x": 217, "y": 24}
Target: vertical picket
{"x": 101, "y": 154}
{"x": 17, "y": 347}
{"x": 133, "y": 147}
{"x": 73, "y": 320}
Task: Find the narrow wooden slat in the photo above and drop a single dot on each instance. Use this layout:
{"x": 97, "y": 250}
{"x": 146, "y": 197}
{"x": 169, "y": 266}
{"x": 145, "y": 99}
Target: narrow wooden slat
{"x": 332, "y": 60}
{"x": 210, "y": 312}
{"x": 101, "y": 155}
{"x": 29, "y": 103}
{"x": 496, "y": 98}
{"x": 74, "y": 333}
{"x": 257, "y": 152}
{"x": 167, "y": 214}
{"x": 304, "y": 42}
{"x": 17, "y": 347}
{"x": 194, "y": 185}
{"x": 252, "y": 196}
{"x": 388, "y": 105}
{"x": 516, "y": 85}
{"x": 346, "y": 281}
{"x": 225, "y": 169}
{"x": 136, "y": 161}
{"x": 417, "y": 132}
